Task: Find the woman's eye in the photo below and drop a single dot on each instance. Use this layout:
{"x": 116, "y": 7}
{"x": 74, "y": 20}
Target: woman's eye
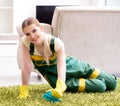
{"x": 27, "y": 34}
{"x": 34, "y": 30}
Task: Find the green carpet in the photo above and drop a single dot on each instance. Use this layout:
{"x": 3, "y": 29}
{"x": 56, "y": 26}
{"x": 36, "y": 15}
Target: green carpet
{"x": 8, "y": 97}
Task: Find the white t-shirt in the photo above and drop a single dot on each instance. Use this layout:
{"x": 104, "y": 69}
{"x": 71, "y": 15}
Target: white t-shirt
{"x": 57, "y": 44}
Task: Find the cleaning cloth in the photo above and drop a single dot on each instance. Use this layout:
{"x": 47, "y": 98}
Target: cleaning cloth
{"x": 48, "y": 96}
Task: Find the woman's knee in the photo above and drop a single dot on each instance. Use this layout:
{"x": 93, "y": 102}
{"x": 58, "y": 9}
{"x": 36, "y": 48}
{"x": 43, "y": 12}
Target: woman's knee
{"x": 111, "y": 85}
{"x": 110, "y": 80}
{"x": 102, "y": 86}
{"x": 95, "y": 85}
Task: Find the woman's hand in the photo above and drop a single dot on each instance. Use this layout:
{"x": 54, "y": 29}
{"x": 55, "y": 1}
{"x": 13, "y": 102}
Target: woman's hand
{"x": 54, "y": 95}
{"x": 60, "y": 88}
{"x": 24, "y": 92}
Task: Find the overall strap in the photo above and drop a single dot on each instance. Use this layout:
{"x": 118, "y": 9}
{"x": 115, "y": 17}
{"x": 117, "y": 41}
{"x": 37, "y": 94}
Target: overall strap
{"x": 52, "y": 44}
{"x": 31, "y": 48}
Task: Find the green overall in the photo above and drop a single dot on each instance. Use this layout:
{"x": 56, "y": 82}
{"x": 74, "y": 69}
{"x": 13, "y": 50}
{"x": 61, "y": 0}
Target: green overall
{"x": 80, "y": 76}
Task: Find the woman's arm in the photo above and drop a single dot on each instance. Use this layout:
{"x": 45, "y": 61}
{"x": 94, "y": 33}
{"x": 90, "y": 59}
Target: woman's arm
{"x": 25, "y": 72}
{"x": 57, "y": 92}
{"x": 61, "y": 70}
{"x": 26, "y": 65}
{"x": 61, "y": 65}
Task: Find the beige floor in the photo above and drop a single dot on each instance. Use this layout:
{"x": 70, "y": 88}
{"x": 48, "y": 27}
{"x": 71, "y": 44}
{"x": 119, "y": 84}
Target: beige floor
{"x": 9, "y": 71}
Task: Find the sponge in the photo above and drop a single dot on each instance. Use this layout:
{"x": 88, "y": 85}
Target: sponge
{"x": 48, "y": 96}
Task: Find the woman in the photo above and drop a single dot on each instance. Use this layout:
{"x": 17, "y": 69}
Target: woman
{"x": 63, "y": 73}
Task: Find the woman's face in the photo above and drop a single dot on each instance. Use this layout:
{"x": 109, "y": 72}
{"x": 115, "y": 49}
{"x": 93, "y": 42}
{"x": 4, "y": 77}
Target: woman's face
{"x": 33, "y": 33}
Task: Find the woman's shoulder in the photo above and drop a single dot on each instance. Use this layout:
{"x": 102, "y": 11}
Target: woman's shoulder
{"x": 58, "y": 43}
{"x": 25, "y": 41}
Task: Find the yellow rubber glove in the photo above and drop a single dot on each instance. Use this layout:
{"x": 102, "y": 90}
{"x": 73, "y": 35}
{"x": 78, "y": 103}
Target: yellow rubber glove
{"x": 24, "y": 90}
{"x": 60, "y": 88}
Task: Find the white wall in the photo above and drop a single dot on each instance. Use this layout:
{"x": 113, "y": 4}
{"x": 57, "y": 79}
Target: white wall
{"x": 97, "y": 2}
{"x": 26, "y": 8}
{"x": 113, "y": 2}
{"x": 23, "y": 9}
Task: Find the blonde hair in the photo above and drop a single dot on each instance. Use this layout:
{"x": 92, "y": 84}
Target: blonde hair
{"x": 47, "y": 51}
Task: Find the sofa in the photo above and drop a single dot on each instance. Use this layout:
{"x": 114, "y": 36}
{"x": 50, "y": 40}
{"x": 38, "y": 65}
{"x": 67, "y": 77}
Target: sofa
{"x": 89, "y": 33}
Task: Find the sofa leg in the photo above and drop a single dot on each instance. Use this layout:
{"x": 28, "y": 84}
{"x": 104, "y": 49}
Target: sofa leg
{"x": 39, "y": 77}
